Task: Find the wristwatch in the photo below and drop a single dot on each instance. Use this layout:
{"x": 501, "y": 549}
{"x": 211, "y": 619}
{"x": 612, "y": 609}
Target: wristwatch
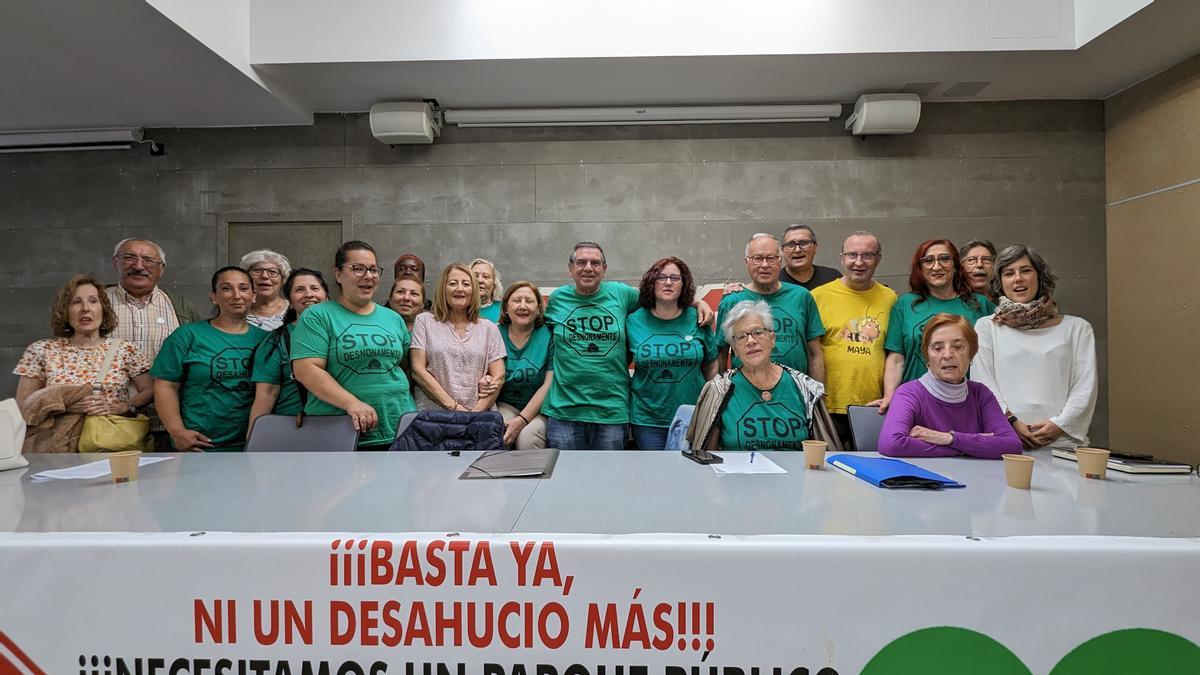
{"x": 1012, "y": 419}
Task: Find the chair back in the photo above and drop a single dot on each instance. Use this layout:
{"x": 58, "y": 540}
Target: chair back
{"x": 12, "y": 435}
{"x": 319, "y": 433}
{"x": 677, "y": 432}
{"x": 865, "y": 425}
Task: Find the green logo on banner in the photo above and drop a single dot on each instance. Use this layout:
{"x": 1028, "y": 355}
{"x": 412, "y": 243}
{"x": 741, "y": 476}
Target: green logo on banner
{"x": 947, "y": 650}
{"x": 1132, "y": 652}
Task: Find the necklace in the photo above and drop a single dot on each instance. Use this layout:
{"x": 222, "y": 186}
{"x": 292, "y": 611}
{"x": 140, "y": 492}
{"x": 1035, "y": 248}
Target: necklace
{"x": 764, "y": 394}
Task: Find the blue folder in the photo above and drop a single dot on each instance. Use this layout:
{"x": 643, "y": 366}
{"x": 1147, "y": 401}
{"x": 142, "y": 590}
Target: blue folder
{"x": 894, "y": 474}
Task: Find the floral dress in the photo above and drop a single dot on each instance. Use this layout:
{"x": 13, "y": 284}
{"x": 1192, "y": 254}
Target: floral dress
{"x": 57, "y": 361}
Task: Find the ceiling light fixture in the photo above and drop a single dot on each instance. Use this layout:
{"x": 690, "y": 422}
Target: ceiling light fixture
{"x": 70, "y": 140}
{"x": 571, "y": 117}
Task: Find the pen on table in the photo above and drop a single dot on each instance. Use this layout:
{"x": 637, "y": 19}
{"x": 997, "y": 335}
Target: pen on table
{"x": 751, "y": 456}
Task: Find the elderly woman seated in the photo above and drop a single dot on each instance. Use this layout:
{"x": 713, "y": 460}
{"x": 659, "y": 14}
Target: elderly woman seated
{"x": 761, "y": 405}
{"x": 941, "y": 413}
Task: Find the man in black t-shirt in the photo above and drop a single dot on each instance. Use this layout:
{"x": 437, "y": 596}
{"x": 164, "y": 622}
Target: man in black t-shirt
{"x": 799, "y": 251}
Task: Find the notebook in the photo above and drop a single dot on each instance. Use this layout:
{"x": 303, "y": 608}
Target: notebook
{"x": 513, "y": 464}
{"x": 1131, "y": 463}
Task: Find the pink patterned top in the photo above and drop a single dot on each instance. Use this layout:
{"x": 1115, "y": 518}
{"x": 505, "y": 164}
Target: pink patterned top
{"x": 57, "y": 361}
{"x": 457, "y": 363}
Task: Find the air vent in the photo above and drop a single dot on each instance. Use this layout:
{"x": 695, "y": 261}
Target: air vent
{"x": 964, "y": 89}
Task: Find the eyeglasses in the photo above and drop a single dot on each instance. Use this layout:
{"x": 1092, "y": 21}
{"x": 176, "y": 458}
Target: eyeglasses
{"x": 268, "y": 272}
{"x": 984, "y": 259}
{"x": 130, "y": 259}
{"x": 757, "y": 334}
{"x": 589, "y": 263}
{"x": 763, "y": 259}
{"x": 927, "y": 261}
{"x": 867, "y": 257}
{"x": 673, "y": 278}
{"x": 361, "y": 271}
{"x": 797, "y": 243}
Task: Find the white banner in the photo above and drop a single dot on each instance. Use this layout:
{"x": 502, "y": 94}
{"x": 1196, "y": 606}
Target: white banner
{"x": 283, "y": 604}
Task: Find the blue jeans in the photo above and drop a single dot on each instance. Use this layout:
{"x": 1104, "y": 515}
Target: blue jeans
{"x": 649, "y": 438}
{"x": 567, "y": 435}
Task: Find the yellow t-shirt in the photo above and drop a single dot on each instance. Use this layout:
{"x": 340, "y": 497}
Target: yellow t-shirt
{"x": 856, "y": 324}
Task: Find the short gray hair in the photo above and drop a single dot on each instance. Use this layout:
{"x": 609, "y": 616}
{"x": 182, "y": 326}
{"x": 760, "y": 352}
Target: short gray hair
{"x": 268, "y": 256}
{"x": 587, "y": 244}
{"x": 761, "y": 235}
{"x": 797, "y": 226}
{"x": 864, "y": 233}
{"x": 162, "y": 255}
{"x": 746, "y": 309}
{"x": 962, "y": 250}
{"x": 1014, "y": 253}
{"x": 497, "y": 288}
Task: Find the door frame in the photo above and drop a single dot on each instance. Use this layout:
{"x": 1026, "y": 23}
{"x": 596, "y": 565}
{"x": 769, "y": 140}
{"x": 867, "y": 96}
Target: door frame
{"x": 346, "y": 220}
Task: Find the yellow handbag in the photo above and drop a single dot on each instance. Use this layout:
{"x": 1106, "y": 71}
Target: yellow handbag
{"x": 113, "y": 433}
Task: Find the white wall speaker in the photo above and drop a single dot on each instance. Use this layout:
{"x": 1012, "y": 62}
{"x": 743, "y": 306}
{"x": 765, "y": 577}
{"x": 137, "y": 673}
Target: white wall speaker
{"x": 884, "y": 114}
{"x": 405, "y": 123}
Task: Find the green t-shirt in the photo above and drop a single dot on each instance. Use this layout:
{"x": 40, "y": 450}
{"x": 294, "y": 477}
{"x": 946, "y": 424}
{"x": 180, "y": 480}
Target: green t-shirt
{"x": 212, "y": 368}
{"x": 491, "y": 312}
{"x": 525, "y": 368}
{"x": 908, "y": 321}
{"x": 591, "y": 375}
{"x": 796, "y": 322}
{"x": 363, "y": 354}
{"x": 750, "y": 423}
{"x": 669, "y": 358}
{"x": 273, "y": 365}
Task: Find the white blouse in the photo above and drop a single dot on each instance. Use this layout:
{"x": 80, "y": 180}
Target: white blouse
{"x": 1041, "y": 374}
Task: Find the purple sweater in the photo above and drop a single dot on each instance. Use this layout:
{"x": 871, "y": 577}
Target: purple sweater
{"x": 913, "y": 405}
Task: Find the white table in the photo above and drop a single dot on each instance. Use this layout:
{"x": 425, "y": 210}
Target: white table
{"x": 810, "y": 569}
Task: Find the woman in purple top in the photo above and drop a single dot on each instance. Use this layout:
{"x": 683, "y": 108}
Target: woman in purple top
{"x": 942, "y": 414}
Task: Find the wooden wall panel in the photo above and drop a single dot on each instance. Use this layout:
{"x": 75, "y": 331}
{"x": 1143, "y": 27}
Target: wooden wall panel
{"x": 1152, "y": 137}
{"x": 1152, "y": 142}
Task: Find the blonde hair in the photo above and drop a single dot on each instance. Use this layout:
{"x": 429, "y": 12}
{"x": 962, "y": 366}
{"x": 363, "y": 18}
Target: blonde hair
{"x": 441, "y": 304}
{"x": 497, "y": 287}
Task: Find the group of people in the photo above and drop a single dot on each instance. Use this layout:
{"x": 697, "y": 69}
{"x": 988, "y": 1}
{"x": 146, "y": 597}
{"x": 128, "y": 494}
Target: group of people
{"x": 975, "y": 359}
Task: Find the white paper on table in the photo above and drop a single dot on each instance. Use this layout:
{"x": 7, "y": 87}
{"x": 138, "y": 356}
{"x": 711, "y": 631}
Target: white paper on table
{"x": 97, "y": 469}
{"x": 739, "y": 462}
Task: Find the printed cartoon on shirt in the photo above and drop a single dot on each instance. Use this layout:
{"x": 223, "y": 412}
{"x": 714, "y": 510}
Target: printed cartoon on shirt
{"x": 863, "y": 329}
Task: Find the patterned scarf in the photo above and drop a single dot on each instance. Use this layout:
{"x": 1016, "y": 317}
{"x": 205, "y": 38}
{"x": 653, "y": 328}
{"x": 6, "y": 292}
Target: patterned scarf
{"x": 1025, "y": 315}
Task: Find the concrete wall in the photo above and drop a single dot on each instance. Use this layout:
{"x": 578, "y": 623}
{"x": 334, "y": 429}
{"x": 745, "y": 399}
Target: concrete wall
{"x": 1153, "y": 176}
{"x": 1017, "y": 171}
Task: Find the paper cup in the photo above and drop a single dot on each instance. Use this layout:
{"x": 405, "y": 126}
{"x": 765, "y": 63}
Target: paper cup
{"x": 1018, "y": 471}
{"x": 1093, "y": 462}
{"x": 814, "y": 454}
{"x": 124, "y": 465}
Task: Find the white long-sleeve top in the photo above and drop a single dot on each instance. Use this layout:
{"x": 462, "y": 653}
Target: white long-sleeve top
{"x": 1041, "y": 374}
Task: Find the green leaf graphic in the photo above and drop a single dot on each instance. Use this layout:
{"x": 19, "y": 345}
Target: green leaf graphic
{"x": 1134, "y": 651}
{"x": 945, "y": 650}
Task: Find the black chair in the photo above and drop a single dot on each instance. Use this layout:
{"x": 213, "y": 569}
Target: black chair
{"x": 318, "y": 433}
{"x": 865, "y": 425}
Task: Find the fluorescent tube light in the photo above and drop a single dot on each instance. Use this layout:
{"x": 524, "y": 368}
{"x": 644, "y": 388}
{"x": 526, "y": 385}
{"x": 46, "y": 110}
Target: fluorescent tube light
{"x": 561, "y": 117}
{"x": 72, "y": 139}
